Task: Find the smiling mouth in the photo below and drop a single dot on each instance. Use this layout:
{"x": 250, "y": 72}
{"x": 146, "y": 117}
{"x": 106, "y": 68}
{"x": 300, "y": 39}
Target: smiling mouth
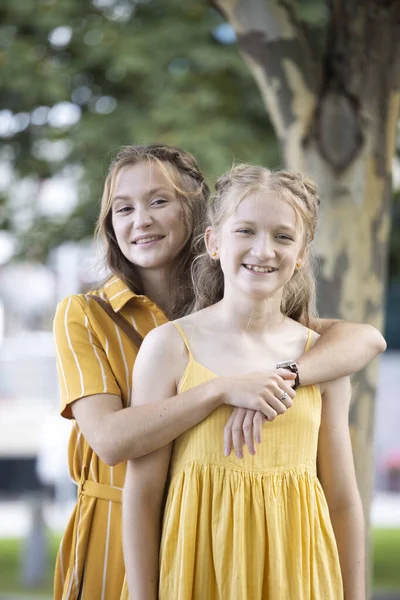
{"x": 257, "y": 269}
{"x": 148, "y": 240}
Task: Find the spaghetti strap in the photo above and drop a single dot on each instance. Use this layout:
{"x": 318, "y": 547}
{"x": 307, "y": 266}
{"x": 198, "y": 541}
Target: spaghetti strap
{"x": 309, "y": 340}
{"x": 184, "y": 337}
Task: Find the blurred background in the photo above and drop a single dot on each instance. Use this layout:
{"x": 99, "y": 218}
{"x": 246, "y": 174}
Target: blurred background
{"x": 78, "y": 80}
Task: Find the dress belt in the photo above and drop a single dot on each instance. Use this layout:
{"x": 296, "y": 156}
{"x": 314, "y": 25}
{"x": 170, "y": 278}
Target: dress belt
{"x": 100, "y": 490}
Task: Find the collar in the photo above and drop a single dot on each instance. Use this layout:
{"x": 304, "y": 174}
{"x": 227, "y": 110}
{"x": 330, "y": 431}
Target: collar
{"x": 117, "y": 293}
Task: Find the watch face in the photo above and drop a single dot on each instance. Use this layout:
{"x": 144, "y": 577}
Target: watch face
{"x": 288, "y": 364}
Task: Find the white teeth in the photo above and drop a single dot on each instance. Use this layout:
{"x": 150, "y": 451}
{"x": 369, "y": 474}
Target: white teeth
{"x": 260, "y": 269}
{"x": 148, "y": 239}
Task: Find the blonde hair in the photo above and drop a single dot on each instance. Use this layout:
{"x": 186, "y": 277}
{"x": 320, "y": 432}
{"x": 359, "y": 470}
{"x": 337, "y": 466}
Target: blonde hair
{"x": 298, "y": 299}
{"x": 184, "y": 175}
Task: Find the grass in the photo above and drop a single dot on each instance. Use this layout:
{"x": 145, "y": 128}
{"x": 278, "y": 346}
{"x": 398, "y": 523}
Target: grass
{"x": 10, "y": 566}
{"x": 385, "y": 570}
{"x": 386, "y": 559}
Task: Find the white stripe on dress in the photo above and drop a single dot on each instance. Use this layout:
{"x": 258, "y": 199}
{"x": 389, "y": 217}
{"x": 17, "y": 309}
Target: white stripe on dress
{"x": 72, "y": 350}
{"x": 154, "y": 318}
{"x": 70, "y": 583}
{"x": 134, "y": 323}
{"x": 92, "y": 471}
{"x": 76, "y": 553}
{"x": 61, "y": 560}
{"x": 119, "y": 293}
{"x": 78, "y": 442}
{"x": 96, "y": 355}
{"x": 125, "y": 363}
{"x": 112, "y": 280}
{"x": 62, "y": 371}
{"x": 103, "y": 591}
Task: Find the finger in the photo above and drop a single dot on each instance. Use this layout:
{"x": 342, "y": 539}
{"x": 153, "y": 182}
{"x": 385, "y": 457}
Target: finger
{"x": 284, "y": 387}
{"x": 287, "y": 376}
{"x": 228, "y": 433}
{"x": 258, "y": 422}
{"x": 275, "y": 402}
{"x": 248, "y": 431}
{"x": 237, "y": 432}
{"x": 266, "y": 407}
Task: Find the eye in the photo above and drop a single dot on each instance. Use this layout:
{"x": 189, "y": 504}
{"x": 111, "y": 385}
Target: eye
{"x": 124, "y": 209}
{"x": 158, "y": 202}
{"x": 245, "y": 231}
{"x": 283, "y": 236}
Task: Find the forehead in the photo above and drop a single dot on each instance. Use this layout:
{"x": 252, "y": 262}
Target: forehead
{"x": 140, "y": 178}
{"x": 265, "y": 207}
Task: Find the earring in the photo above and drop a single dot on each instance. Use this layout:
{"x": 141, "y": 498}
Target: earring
{"x": 213, "y": 254}
{"x": 298, "y": 264}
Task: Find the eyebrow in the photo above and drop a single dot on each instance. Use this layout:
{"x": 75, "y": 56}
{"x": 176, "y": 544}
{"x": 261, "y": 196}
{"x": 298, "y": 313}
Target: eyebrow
{"x": 252, "y": 223}
{"x": 148, "y": 193}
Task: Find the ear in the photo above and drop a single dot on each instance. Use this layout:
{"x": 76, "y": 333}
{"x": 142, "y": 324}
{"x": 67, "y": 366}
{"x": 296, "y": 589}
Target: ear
{"x": 302, "y": 258}
{"x": 211, "y": 241}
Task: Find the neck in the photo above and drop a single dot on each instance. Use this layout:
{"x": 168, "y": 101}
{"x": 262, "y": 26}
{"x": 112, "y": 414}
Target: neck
{"x": 247, "y": 315}
{"x": 156, "y": 288}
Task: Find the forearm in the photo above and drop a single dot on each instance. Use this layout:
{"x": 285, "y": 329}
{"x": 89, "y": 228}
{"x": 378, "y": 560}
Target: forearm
{"x": 348, "y": 526}
{"x": 343, "y": 349}
{"x": 138, "y": 430}
{"x": 141, "y": 539}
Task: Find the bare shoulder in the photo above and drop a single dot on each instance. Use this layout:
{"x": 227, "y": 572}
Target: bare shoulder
{"x": 299, "y": 334}
{"x": 164, "y": 345}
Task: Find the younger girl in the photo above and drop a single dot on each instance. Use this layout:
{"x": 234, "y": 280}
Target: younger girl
{"x": 285, "y": 523}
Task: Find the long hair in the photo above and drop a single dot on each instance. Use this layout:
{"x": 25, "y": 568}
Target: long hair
{"x": 184, "y": 175}
{"x": 298, "y": 298}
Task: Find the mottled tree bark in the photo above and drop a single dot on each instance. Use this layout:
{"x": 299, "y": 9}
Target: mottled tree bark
{"x": 335, "y": 117}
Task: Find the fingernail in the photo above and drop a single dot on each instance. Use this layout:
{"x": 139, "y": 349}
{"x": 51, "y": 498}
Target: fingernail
{"x": 252, "y": 451}
{"x": 226, "y": 452}
{"x": 258, "y": 440}
{"x": 239, "y": 454}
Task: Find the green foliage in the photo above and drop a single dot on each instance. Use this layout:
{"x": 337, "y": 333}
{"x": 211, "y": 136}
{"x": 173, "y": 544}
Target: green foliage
{"x": 385, "y": 558}
{"x": 161, "y": 65}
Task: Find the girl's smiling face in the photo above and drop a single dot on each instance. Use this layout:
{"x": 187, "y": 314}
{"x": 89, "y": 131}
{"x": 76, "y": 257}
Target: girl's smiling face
{"x": 258, "y": 245}
{"x": 147, "y": 216}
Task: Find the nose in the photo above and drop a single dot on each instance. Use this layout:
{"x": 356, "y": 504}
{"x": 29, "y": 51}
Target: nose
{"x": 142, "y": 218}
{"x": 263, "y": 248}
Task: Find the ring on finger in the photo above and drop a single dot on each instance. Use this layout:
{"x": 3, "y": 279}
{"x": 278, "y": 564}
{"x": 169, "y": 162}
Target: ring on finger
{"x": 284, "y": 397}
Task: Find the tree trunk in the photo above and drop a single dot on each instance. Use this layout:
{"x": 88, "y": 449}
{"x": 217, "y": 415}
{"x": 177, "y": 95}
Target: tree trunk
{"x": 335, "y": 117}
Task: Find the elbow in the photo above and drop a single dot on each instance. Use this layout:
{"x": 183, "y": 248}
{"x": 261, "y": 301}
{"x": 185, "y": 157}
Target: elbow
{"x": 378, "y": 341}
{"x": 108, "y": 454}
{"x": 110, "y": 458}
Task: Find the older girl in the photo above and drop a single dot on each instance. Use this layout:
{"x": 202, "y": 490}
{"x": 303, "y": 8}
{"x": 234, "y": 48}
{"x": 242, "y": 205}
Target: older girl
{"x": 286, "y": 522}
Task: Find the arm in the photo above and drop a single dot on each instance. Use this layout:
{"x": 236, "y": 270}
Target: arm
{"x": 343, "y": 349}
{"x": 337, "y": 475}
{"x": 146, "y": 476}
{"x": 117, "y": 434}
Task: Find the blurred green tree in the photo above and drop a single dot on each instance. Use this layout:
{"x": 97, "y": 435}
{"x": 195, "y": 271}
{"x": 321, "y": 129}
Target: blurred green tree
{"x": 80, "y": 79}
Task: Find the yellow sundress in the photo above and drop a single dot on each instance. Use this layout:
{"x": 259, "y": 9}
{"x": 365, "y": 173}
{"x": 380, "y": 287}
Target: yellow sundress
{"x": 256, "y": 528}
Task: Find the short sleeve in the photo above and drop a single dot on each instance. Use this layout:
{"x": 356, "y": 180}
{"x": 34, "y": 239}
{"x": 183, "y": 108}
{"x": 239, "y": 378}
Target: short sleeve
{"x": 82, "y": 363}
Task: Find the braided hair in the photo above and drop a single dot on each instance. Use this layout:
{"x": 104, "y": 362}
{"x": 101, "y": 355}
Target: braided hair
{"x": 183, "y": 173}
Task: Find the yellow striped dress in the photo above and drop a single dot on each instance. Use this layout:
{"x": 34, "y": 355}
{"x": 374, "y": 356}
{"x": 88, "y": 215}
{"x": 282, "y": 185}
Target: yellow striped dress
{"x": 251, "y": 529}
{"x": 94, "y": 356}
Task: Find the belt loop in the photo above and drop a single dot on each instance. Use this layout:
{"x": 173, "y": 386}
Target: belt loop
{"x": 82, "y": 480}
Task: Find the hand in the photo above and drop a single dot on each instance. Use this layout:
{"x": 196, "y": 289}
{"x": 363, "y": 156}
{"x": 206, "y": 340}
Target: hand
{"x": 260, "y": 392}
{"x": 243, "y": 427}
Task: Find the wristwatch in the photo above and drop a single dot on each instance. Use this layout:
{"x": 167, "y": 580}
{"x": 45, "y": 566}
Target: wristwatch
{"x": 292, "y": 366}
